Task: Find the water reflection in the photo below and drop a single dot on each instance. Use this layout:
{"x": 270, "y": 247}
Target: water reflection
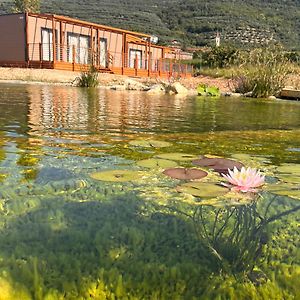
{"x": 90, "y": 110}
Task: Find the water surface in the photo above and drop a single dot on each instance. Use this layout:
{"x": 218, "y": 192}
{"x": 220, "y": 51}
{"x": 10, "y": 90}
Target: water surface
{"x": 65, "y": 235}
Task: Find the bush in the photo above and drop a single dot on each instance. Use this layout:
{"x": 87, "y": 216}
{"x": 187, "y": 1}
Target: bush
{"x": 218, "y": 57}
{"x": 88, "y": 78}
{"x": 262, "y": 73}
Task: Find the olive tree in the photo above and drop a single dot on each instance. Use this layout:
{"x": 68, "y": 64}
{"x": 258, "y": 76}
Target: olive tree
{"x": 32, "y": 6}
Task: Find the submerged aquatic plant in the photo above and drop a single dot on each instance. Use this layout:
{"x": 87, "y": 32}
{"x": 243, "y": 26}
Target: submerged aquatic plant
{"x": 245, "y": 180}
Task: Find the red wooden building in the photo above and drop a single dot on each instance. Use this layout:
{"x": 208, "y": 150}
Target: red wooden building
{"x": 63, "y": 43}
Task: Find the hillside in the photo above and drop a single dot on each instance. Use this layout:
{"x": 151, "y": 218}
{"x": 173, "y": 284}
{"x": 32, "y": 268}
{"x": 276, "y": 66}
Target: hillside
{"x": 193, "y": 22}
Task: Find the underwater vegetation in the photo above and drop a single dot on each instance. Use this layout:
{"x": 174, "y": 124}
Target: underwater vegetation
{"x": 96, "y": 211}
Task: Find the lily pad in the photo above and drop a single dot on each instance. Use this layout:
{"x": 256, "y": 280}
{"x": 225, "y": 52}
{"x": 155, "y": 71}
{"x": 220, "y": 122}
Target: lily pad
{"x": 289, "y": 193}
{"x": 202, "y": 189}
{"x": 289, "y": 168}
{"x": 220, "y": 165}
{"x": 156, "y": 163}
{"x": 177, "y": 156}
{"x": 290, "y": 178}
{"x": 116, "y": 175}
{"x": 185, "y": 174}
{"x": 150, "y": 143}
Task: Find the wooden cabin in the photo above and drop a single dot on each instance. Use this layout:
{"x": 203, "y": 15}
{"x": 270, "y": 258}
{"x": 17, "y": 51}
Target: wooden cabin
{"x": 63, "y": 43}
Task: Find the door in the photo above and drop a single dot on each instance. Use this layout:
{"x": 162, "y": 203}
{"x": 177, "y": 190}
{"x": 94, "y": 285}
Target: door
{"x": 103, "y": 53}
{"x": 84, "y": 49}
{"x": 47, "y": 47}
{"x": 135, "y": 58}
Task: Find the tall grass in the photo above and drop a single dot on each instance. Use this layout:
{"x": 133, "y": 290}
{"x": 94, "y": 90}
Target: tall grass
{"x": 262, "y": 73}
{"x": 88, "y": 78}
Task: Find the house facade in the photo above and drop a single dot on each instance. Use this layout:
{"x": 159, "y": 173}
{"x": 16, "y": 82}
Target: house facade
{"x": 59, "y": 42}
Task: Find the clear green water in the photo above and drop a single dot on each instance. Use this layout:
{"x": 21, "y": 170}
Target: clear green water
{"x": 65, "y": 235}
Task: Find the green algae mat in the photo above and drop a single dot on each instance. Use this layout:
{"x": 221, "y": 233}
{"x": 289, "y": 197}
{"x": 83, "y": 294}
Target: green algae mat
{"x": 108, "y": 195}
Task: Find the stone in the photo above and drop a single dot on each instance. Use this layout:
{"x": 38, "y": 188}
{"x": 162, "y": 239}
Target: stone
{"x": 133, "y": 85}
{"x": 236, "y": 95}
{"x": 118, "y": 87}
{"x": 157, "y": 89}
{"x": 178, "y": 88}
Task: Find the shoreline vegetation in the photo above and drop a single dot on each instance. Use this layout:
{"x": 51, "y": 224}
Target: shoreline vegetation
{"x": 220, "y": 78}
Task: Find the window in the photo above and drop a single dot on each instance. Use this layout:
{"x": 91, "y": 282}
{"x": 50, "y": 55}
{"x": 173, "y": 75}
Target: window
{"x": 47, "y": 47}
{"x": 81, "y": 44}
{"x": 135, "y": 59}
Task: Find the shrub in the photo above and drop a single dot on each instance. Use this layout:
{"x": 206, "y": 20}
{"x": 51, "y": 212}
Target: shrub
{"x": 219, "y": 57}
{"x": 88, "y": 78}
{"x": 262, "y": 73}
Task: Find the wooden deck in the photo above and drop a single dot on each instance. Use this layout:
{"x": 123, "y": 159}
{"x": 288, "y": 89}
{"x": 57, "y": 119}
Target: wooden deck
{"x": 68, "y": 66}
{"x": 287, "y": 93}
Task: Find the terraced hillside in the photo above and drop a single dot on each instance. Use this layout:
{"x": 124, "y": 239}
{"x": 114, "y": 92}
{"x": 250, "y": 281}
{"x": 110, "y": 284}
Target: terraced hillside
{"x": 193, "y": 22}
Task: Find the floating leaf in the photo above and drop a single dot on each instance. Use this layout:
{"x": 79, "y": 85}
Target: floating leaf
{"x": 202, "y": 189}
{"x": 116, "y": 175}
{"x": 220, "y": 165}
{"x": 289, "y": 193}
{"x": 185, "y": 174}
{"x": 177, "y": 156}
{"x": 289, "y": 168}
{"x": 156, "y": 163}
{"x": 150, "y": 143}
{"x": 213, "y": 91}
{"x": 290, "y": 178}
{"x": 278, "y": 187}
{"x": 201, "y": 89}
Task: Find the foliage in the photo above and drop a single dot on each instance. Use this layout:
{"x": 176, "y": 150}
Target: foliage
{"x": 293, "y": 57}
{"x": 204, "y": 90}
{"x": 219, "y": 57}
{"x": 262, "y": 73}
{"x": 88, "y": 78}
{"x": 193, "y": 22}
{"x": 32, "y": 6}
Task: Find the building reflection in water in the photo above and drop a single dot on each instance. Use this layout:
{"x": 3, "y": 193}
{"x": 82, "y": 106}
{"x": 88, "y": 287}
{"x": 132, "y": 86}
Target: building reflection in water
{"x": 85, "y": 111}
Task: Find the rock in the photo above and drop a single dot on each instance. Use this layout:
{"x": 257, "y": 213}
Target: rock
{"x": 193, "y": 92}
{"x": 249, "y": 94}
{"x": 133, "y": 85}
{"x": 236, "y": 95}
{"x": 226, "y": 94}
{"x": 272, "y": 97}
{"x": 157, "y": 89}
{"x": 178, "y": 88}
{"x": 118, "y": 87}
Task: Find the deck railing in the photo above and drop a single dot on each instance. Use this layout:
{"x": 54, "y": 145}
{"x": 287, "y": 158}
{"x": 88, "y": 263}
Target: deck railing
{"x": 77, "y": 57}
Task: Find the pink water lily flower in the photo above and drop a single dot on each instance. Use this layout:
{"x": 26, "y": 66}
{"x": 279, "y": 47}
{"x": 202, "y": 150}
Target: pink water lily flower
{"x": 245, "y": 180}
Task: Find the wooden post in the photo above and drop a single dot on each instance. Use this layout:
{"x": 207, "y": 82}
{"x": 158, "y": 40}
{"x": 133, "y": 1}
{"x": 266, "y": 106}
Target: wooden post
{"x": 123, "y": 52}
{"x": 185, "y": 70}
{"x": 98, "y": 49}
{"x": 41, "y": 53}
{"x": 159, "y": 67}
{"x": 136, "y": 64}
{"x": 53, "y": 41}
{"x": 26, "y": 40}
{"x": 73, "y": 57}
{"x": 61, "y": 41}
{"x": 150, "y": 58}
{"x": 92, "y": 45}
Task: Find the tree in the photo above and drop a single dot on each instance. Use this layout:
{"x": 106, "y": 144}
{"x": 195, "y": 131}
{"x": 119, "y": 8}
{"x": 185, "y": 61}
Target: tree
{"x": 32, "y": 6}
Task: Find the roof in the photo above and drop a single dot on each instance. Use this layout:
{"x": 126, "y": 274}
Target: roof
{"x": 88, "y": 24}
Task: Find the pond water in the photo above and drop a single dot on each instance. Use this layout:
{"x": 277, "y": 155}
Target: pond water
{"x": 87, "y": 213}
